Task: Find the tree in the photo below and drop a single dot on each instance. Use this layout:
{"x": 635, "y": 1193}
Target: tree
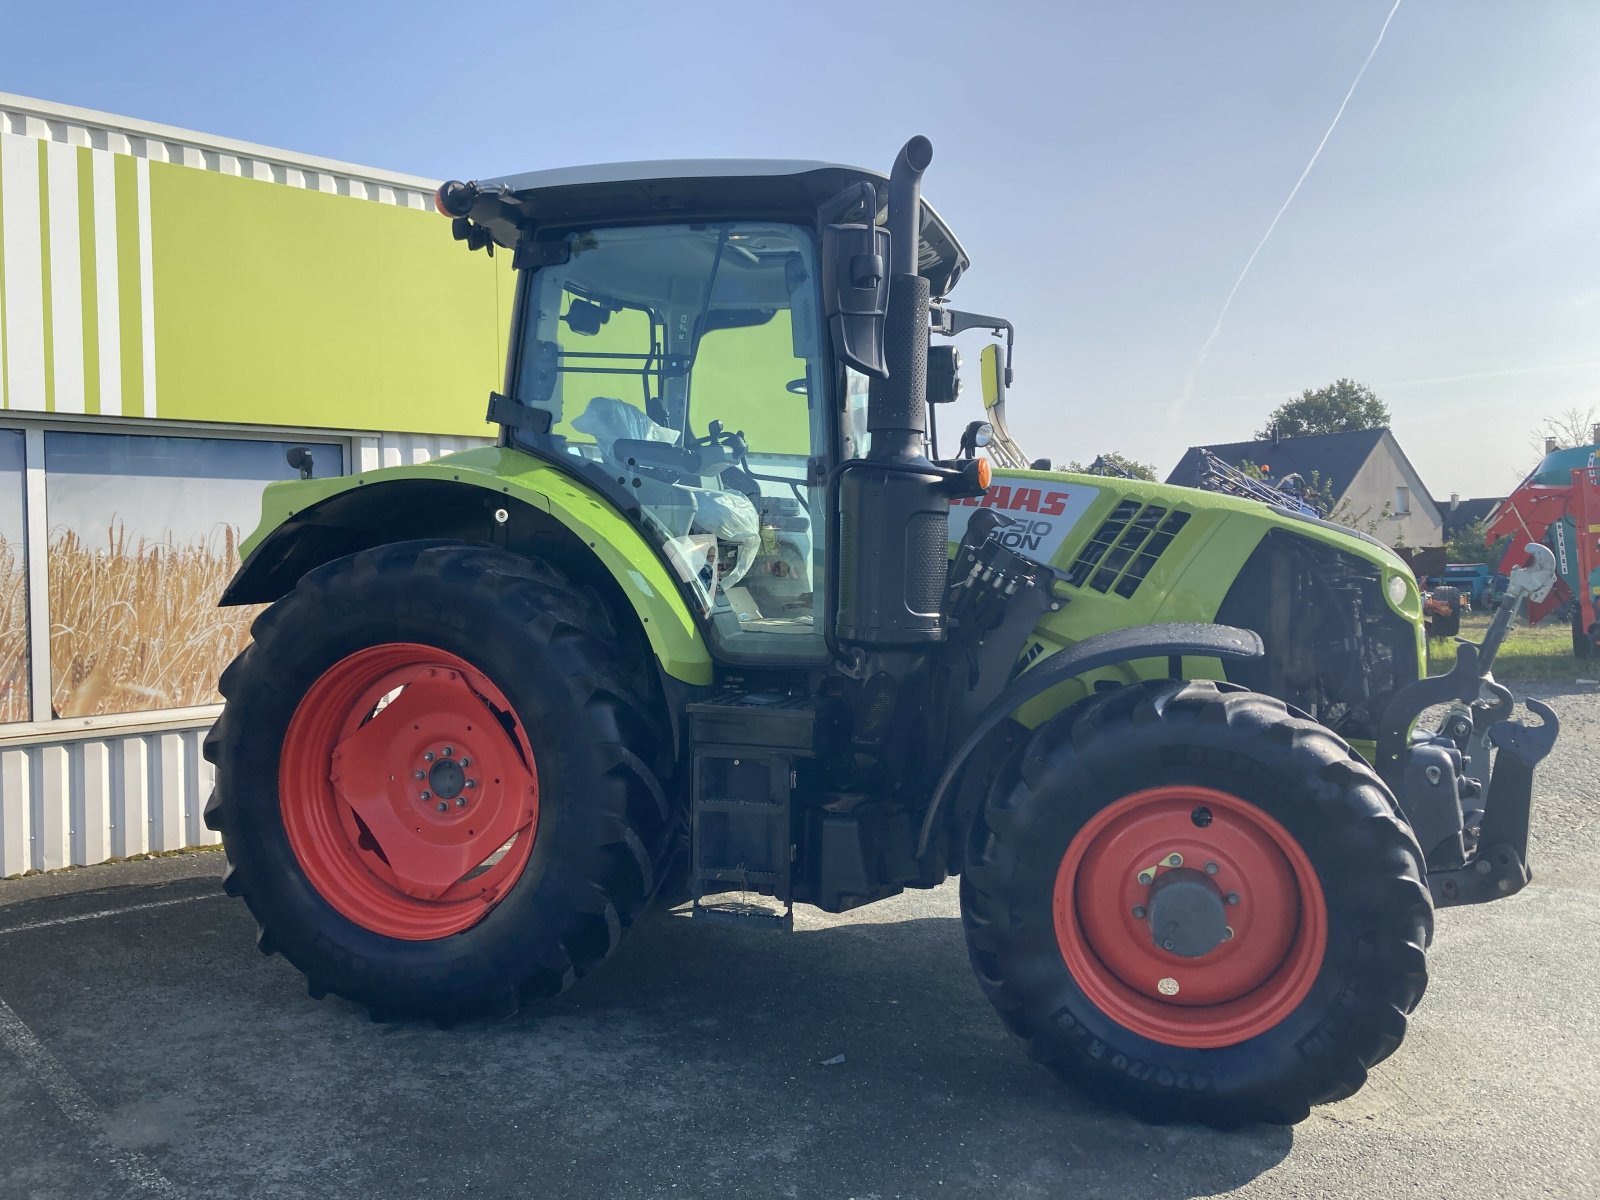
{"x": 1571, "y": 427}
{"x": 1114, "y": 463}
{"x": 1364, "y": 521}
{"x": 1342, "y": 407}
{"x": 1466, "y": 545}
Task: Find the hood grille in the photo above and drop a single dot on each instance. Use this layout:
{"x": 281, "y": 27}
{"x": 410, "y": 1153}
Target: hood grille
{"x": 1126, "y": 547}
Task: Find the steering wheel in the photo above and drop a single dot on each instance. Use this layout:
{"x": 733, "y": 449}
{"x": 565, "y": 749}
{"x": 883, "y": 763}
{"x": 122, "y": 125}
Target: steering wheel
{"x": 732, "y": 445}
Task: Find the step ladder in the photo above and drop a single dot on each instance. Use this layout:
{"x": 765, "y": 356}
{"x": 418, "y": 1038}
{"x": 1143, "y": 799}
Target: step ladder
{"x": 741, "y": 841}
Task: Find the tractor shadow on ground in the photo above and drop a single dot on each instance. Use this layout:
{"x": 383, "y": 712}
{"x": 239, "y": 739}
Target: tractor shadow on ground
{"x": 847, "y": 1059}
{"x": 930, "y": 1085}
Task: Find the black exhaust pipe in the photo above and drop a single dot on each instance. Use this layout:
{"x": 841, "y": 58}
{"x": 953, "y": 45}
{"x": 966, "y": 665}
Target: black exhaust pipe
{"x": 905, "y": 203}
{"x": 897, "y": 407}
{"x": 894, "y": 516}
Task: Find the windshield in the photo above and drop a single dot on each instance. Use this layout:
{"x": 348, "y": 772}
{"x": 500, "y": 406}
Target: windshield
{"x": 678, "y": 364}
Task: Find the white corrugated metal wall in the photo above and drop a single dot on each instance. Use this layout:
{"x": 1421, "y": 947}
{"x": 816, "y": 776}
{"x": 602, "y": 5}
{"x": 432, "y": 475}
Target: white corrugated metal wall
{"x": 45, "y": 121}
{"x": 73, "y": 803}
{"x": 408, "y": 449}
{"x": 77, "y": 793}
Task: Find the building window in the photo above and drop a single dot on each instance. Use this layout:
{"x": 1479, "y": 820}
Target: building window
{"x": 1402, "y": 502}
{"x": 144, "y": 533}
{"x": 15, "y": 700}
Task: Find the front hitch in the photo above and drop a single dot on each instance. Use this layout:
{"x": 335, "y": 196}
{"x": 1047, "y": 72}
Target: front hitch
{"x": 1499, "y": 866}
{"x": 1475, "y": 842}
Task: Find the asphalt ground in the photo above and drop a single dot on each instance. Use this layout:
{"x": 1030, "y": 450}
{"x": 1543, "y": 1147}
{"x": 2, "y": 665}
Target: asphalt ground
{"x": 146, "y": 1049}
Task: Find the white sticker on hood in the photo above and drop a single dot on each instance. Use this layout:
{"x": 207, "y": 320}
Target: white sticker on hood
{"x": 1042, "y": 512}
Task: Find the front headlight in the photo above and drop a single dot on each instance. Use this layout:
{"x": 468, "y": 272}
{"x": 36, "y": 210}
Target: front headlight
{"x": 1398, "y": 590}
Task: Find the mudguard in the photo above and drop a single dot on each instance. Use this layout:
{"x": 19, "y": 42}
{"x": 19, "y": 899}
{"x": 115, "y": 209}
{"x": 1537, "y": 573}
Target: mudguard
{"x": 292, "y": 511}
{"x": 1103, "y": 650}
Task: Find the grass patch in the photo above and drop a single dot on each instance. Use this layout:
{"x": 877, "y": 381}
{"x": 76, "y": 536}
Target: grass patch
{"x": 1541, "y": 652}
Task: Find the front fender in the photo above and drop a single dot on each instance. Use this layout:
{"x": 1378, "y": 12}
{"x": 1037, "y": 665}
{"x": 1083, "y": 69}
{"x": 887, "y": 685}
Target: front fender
{"x": 1177, "y": 640}
{"x": 307, "y": 522}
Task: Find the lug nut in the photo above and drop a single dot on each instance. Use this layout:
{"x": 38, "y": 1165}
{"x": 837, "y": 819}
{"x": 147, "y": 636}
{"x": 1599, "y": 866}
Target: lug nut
{"x": 427, "y": 756}
{"x": 461, "y": 801}
{"x": 471, "y": 783}
{"x": 1233, "y": 897}
{"x": 1145, "y": 877}
{"x": 466, "y": 762}
{"x": 1211, "y": 868}
{"x": 419, "y": 774}
{"x": 427, "y": 795}
{"x": 1227, "y": 933}
{"x": 1174, "y": 860}
{"x": 1138, "y": 912}
{"x": 448, "y": 751}
{"x": 443, "y": 807}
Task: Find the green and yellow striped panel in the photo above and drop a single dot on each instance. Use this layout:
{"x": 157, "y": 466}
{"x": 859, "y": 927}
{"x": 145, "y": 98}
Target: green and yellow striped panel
{"x": 152, "y": 289}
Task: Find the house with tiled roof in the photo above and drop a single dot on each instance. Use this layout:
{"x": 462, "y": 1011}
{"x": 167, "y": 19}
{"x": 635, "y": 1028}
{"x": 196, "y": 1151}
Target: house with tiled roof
{"x": 1370, "y": 476}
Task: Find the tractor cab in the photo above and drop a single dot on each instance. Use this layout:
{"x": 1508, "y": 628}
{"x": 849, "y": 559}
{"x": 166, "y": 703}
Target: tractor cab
{"x": 696, "y": 341}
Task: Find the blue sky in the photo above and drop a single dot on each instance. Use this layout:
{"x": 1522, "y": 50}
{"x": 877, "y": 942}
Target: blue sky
{"x": 1109, "y": 167}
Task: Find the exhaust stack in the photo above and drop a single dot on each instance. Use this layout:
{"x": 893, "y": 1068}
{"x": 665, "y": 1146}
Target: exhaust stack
{"x": 894, "y": 515}
{"x": 897, "y": 407}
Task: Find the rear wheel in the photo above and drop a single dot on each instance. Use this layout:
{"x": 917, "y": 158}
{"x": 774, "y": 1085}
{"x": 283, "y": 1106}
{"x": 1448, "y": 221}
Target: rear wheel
{"x": 1196, "y": 905}
{"x": 437, "y": 781}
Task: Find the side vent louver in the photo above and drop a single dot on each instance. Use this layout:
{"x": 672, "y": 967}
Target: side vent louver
{"x": 1126, "y": 547}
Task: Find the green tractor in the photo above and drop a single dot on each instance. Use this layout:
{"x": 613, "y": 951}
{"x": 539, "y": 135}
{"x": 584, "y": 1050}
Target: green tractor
{"x": 714, "y": 621}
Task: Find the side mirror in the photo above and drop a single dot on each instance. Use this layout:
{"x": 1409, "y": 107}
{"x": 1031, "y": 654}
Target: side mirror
{"x": 855, "y": 293}
{"x": 944, "y": 374}
{"x": 992, "y": 369}
{"x": 585, "y": 318}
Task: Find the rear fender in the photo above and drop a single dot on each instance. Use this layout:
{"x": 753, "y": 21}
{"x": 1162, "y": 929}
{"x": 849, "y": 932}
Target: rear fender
{"x": 545, "y": 514}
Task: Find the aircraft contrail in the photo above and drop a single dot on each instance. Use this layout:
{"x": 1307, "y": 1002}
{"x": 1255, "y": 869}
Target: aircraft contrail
{"x": 1205, "y": 349}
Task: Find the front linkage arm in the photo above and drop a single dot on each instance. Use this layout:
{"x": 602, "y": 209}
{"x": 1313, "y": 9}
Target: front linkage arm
{"x": 1475, "y": 852}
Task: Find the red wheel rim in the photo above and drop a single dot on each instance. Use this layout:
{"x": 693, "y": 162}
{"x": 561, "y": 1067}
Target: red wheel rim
{"x": 1270, "y": 898}
{"x": 408, "y": 791}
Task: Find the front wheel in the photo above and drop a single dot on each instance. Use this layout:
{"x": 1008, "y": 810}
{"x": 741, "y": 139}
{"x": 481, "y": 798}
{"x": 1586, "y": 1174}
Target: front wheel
{"x": 1196, "y": 905}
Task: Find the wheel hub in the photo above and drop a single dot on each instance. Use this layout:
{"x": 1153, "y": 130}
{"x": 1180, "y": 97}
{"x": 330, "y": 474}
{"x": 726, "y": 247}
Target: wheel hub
{"x": 1187, "y": 914}
{"x": 446, "y": 779}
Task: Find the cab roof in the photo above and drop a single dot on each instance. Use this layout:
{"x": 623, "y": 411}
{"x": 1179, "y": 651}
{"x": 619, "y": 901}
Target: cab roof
{"x": 697, "y": 189}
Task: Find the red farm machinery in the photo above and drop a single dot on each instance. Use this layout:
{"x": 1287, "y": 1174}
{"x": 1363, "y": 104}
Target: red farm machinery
{"x": 1558, "y": 505}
